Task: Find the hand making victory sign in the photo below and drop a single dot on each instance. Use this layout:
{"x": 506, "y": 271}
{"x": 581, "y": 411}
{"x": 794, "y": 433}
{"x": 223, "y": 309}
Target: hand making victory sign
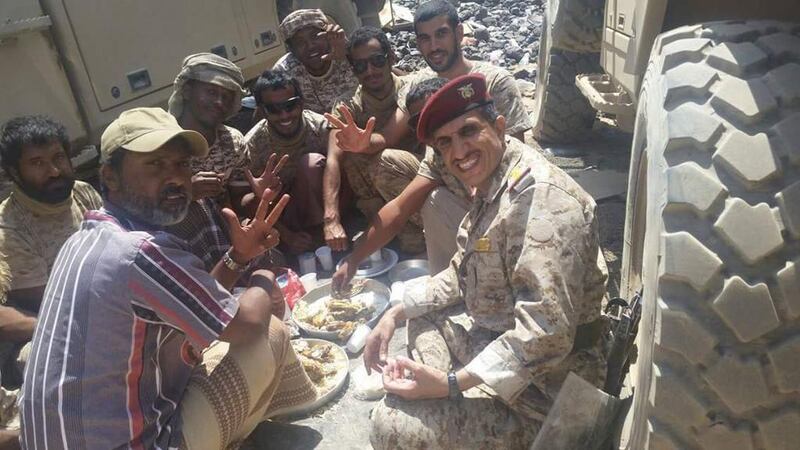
{"x": 256, "y": 236}
{"x": 351, "y": 138}
{"x": 269, "y": 178}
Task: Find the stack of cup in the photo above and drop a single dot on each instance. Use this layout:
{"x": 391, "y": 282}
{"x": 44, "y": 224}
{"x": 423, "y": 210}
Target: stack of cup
{"x": 325, "y": 258}
{"x": 307, "y": 263}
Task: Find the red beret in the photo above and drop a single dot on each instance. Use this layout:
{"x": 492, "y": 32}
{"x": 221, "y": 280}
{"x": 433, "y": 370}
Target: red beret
{"x": 458, "y": 96}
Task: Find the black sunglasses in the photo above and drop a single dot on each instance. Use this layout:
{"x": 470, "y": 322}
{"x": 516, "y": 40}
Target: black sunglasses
{"x": 288, "y": 105}
{"x": 377, "y": 60}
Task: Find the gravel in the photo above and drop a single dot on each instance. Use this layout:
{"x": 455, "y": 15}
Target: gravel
{"x": 505, "y": 32}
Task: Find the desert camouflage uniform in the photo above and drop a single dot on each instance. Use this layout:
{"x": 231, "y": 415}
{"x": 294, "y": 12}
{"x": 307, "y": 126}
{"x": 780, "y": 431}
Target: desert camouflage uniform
{"x": 204, "y": 227}
{"x": 378, "y": 178}
{"x": 262, "y": 141}
{"x": 320, "y": 93}
{"x": 519, "y": 307}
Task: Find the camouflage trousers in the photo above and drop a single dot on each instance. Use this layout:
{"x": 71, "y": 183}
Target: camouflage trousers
{"x": 446, "y": 340}
{"x": 379, "y": 178}
{"x": 234, "y": 389}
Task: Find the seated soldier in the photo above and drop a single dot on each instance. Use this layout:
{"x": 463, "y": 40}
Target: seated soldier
{"x": 517, "y": 309}
{"x": 142, "y": 347}
{"x": 374, "y": 177}
{"x": 45, "y": 207}
{"x": 316, "y": 58}
{"x": 301, "y": 137}
{"x": 207, "y": 91}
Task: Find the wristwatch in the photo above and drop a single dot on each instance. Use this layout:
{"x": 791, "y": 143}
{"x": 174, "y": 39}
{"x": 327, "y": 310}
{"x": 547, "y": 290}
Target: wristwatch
{"x": 452, "y": 383}
{"x": 231, "y": 264}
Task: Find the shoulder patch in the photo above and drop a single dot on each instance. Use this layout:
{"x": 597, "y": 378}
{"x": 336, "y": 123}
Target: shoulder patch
{"x": 519, "y": 178}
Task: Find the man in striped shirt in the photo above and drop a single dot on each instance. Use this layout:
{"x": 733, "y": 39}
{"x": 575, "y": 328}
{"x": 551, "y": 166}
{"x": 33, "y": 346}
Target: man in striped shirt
{"x": 137, "y": 345}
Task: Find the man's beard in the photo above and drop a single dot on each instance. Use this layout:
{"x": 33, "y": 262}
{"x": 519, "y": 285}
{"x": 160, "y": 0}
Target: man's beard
{"x": 149, "y": 211}
{"x": 291, "y": 135}
{"x": 55, "y": 191}
{"x": 448, "y": 63}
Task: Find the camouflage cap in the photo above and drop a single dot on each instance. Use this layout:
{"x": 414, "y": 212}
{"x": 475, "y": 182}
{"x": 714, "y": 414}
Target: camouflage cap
{"x": 145, "y": 130}
{"x": 208, "y": 68}
{"x": 300, "y": 19}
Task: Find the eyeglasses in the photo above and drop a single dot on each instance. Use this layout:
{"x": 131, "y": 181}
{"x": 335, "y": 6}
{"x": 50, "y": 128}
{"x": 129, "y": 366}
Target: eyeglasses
{"x": 360, "y": 65}
{"x": 288, "y": 105}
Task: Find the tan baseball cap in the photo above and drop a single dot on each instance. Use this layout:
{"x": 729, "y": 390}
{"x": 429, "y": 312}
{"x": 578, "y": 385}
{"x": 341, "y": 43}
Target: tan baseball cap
{"x": 145, "y": 130}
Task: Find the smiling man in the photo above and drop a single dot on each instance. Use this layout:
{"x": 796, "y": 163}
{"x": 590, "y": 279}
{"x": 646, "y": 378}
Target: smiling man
{"x": 301, "y": 136}
{"x": 142, "y": 347}
{"x": 375, "y": 177}
{"x": 517, "y": 309}
{"x": 316, "y": 58}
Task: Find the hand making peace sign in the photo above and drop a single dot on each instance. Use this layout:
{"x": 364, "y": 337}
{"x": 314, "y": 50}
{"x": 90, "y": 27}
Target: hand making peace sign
{"x": 254, "y": 237}
{"x": 351, "y": 138}
{"x": 269, "y": 178}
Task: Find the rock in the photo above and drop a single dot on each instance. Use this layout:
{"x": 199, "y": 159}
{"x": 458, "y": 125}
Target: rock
{"x": 481, "y": 33}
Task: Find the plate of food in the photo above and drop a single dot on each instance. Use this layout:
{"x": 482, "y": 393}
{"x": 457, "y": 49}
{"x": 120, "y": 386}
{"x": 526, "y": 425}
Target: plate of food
{"x": 369, "y": 268}
{"x": 326, "y": 315}
{"x": 326, "y": 365}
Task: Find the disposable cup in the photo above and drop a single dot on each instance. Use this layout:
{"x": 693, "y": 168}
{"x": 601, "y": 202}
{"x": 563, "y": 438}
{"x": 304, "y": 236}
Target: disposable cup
{"x": 307, "y": 262}
{"x": 309, "y": 281}
{"x": 358, "y": 338}
{"x": 376, "y": 257}
{"x": 325, "y": 257}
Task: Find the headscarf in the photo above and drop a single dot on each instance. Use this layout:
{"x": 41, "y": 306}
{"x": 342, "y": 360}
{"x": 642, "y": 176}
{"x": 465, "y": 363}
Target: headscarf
{"x": 300, "y": 19}
{"x": 208, "y": 68}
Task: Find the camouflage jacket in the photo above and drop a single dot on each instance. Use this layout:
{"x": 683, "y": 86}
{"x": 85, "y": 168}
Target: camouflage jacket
{"x": 529, "y": 269}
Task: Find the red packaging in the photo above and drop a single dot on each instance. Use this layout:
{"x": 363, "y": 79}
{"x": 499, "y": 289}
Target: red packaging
{"x": 291, "y": 286}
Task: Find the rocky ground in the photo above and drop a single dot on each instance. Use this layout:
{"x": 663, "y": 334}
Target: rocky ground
{"x": 504, "y": 32}
{"x": 507, "y": 33}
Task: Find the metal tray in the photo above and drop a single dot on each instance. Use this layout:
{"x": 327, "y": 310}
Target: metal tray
{"x": 381, "y": 303}
{"x": 367, "y": 270}
{"x": 408, "y": 269}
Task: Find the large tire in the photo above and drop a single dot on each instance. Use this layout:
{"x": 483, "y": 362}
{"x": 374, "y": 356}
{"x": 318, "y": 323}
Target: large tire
{"x": 576, "y": 25}
{"x": 713, "y": 240}
{"x": 562, "y": 114}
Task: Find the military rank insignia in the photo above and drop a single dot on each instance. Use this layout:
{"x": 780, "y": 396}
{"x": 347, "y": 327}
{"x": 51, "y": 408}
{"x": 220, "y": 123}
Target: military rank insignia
{"x": 483, "y": 245}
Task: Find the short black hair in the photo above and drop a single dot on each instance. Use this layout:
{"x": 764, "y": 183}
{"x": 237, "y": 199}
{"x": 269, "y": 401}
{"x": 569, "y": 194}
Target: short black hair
{"x": 273, "y": 80}
{"x": 23, "y": 131}
{"x": 364, "y": 34}
{"x": 115, "y": 163}
{"x": 436, "y": 8}
{"x": 489, "y": 112}
{"x": 424, "y": 89}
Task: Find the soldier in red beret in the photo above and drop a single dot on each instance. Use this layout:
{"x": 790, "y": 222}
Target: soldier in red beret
{"x": 493, "y": 336}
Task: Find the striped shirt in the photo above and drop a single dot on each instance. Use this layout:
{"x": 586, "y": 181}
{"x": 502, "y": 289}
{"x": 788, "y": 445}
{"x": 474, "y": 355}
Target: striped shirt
{"x": 126, "y": 311}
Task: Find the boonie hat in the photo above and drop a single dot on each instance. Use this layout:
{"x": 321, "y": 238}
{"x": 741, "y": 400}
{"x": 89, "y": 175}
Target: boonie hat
{"x": 145, "y": 130}
{"x": 458, "y": 96}
{"x": 300, "y": 19}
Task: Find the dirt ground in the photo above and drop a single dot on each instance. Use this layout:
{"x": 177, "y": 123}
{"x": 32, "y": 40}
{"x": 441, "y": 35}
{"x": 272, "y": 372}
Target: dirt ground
{"x": 344, "y": 423}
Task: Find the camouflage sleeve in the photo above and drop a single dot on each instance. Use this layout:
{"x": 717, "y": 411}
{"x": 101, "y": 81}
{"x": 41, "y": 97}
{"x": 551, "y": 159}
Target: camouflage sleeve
{"x": 25, "y": 265}
{"x": 428, "y": 168}
{"x": 508, "y": 101}
{"x": 545, "y": 254}
{"x": 255, "y": 146}
{"x": 425, "y": 294}
{"x": 240, "y": 148}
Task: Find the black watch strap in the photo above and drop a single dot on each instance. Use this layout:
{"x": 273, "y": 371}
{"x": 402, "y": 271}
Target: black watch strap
{"x": 452, "y": 383}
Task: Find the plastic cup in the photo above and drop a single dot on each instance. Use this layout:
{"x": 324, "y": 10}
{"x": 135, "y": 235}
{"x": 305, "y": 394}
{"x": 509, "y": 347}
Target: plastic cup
{"x": 309, "y": 281}
{"x": 325, "y": 257}
{"x": 358, "y": 339}
{"x": 307, "y": 262}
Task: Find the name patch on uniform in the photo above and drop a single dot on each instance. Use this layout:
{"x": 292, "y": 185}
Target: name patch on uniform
{"x": 483, "y": 245}
{"x": 519, "y": 178}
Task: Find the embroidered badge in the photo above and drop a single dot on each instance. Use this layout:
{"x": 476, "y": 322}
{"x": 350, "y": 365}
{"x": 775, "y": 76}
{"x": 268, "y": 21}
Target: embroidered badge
{"x": 466, "y": 91}
{"x": 519, "y": 178}
{"x": 483, "y": 245}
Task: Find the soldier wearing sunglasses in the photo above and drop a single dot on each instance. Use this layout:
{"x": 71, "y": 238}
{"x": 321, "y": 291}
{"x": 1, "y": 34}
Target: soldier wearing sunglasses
{"x": 374, "y": 177}
{"x": 299, "y": 137}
